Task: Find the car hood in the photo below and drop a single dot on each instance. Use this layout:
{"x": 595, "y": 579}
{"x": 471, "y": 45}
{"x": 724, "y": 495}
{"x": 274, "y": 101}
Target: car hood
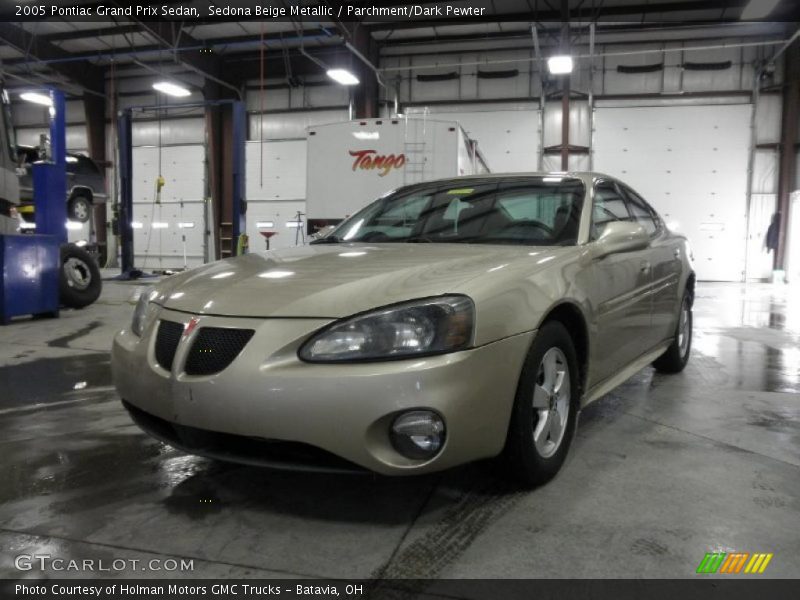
{"x": 334, "y": 280}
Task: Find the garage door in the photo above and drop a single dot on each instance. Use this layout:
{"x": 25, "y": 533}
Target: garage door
{"x": 169, "y": 234}
{"x": 690, "y": 162}
{"x": 276, "y": 192}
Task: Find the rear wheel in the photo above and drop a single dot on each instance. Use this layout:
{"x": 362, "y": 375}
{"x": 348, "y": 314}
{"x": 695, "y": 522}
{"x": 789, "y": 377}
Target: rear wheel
{"x": 545, "y": 408}
{"x": 79, "y": 208}
{"x": 677, "y": 355}
{"x": 80, "y": 282}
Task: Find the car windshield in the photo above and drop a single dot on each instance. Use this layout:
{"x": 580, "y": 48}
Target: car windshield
{"x": 534, "y": 211}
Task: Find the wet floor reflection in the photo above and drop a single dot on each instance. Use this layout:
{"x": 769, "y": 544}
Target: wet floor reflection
{"x": 752, "y": 333}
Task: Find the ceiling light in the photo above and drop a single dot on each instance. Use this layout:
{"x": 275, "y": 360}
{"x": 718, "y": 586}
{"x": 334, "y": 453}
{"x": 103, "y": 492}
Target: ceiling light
{"x": 758, "y": 9}
{"x": 37, "y": 98}
{"x": 171, "y": 89}
{"x": 559, "y": 65}
{"x": 343, "y": 76}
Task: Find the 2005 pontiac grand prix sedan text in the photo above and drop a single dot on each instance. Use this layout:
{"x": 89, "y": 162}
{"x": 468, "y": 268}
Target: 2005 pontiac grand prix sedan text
{"x": 446, "y": 322}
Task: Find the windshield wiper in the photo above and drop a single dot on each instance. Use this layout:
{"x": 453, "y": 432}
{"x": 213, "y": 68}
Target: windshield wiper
{"x": 329, "y": 239}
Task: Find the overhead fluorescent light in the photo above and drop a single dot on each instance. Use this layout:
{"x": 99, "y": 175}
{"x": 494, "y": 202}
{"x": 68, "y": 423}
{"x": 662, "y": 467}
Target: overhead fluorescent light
{"x": 343, "y": 76}
{"x": 186, "y": 225}
{"x": 136, "y": 225}
{"x": 159, "y": 225}
{"x": 559, "y": 65}
{"x": 758, "y": 9}
{"x": 37, "y": 98}
{"x": 171, "y": 89}
{"x": 264, "y": 224}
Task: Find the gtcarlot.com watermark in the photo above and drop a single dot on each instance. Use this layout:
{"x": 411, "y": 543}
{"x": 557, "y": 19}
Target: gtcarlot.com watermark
{"x": 46, "y": 562}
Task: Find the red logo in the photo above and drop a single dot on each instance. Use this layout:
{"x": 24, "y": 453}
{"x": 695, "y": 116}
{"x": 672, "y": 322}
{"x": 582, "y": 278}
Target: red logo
{"x": 370, "y": 159}
{"x": 190, "y": 326}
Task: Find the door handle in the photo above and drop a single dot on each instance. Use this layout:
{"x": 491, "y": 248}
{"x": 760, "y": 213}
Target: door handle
{"x": 676, "y": 253}
{"x": 645, "y": 266}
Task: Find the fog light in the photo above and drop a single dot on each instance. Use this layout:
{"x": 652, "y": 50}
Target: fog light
{"x": 418, "y": 434}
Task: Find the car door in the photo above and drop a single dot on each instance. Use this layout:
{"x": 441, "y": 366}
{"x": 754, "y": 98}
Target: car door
{"x": 619, "y": 291}
{"x": 665, "y": 260}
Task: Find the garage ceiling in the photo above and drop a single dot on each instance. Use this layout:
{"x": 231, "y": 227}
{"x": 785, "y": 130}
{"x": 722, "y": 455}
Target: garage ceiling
{"x": 77, "y": 53}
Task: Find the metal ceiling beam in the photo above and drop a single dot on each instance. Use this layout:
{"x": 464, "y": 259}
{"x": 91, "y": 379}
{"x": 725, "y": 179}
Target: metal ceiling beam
{"x": 81, "y": 34}
{"x": 170, "y": 35}
{"x": 244, "y": 68}
{"x": 365, "y": 54}
{"x": 680, "y": 32}
{"x": 87, "y": 76}
{"x": 728, "y": 10}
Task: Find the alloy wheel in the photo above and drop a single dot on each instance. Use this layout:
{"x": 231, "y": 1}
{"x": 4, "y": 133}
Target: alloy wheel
{"x": 551, "y": 402}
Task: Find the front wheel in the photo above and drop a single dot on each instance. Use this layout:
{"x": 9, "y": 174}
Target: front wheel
{"x": 545, "y": 408}
{"x": 677, "y": 355}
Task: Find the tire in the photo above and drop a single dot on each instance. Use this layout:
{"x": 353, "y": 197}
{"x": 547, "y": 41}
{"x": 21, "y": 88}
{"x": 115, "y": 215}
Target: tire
{"x": 79, "y": 280}
{"x": 536, "y": 449}
{"x": 79, "y": 208}
{"x": 677, "y": 355}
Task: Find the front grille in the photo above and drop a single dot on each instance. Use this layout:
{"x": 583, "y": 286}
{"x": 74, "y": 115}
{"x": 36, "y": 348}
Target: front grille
{"x": 215, "y": 348}
{"x": 247, "y": 450}
{"x": 167, "y": 338}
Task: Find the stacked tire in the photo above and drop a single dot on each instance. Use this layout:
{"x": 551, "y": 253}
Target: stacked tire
{"x": 79, "y": 280}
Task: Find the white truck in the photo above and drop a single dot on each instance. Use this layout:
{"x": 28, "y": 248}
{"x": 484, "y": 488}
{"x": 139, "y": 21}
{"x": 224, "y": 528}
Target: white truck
{"x": 352, "y": 163}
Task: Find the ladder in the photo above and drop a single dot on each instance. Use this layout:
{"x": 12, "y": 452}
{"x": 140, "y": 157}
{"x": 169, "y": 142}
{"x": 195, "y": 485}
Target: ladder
{"x": 415, "y": 168}
{"x": 226, "y": 242}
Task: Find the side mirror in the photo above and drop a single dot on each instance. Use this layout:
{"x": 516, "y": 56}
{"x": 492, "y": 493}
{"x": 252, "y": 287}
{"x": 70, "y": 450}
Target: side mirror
{"x": 621, "y": 236}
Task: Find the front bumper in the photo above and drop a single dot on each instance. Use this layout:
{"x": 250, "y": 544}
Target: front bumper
{"x": 268, "y": 394}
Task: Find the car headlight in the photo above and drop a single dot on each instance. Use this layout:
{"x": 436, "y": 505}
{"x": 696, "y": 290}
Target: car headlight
{"x": 140, "y": 313}
{"x": 420, "y": 327}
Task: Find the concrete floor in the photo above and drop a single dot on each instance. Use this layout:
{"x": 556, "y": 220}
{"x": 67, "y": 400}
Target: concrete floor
{"x": 663, "y": 470}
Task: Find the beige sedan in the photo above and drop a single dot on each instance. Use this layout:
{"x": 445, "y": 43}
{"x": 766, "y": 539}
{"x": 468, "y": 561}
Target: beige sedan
{"x": 446, "y": 322}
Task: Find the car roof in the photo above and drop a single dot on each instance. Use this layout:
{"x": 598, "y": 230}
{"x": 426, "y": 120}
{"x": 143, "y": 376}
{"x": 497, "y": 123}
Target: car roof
{"x": 587, "y": 177}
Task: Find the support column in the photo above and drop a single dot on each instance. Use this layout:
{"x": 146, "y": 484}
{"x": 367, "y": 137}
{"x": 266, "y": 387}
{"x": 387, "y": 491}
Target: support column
{"x": 366, "y": 94}
{"x": 565, "y": 88}
{"x": 94, "y": 108}
{"x": 565, "y": 124}
{"x": 790, "y": 119}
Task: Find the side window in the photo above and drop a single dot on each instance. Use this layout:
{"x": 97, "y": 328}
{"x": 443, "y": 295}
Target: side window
{"x": 641, "y": 211}
{"x": 608, "y": 206}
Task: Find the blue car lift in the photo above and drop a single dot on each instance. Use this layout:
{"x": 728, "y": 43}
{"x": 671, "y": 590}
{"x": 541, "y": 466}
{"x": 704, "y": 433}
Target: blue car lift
{"x": 125, "y": 141}
{"x": 31, "y": 264}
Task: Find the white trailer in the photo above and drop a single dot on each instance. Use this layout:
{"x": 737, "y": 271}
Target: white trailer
{"x": 350, "y": 164}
